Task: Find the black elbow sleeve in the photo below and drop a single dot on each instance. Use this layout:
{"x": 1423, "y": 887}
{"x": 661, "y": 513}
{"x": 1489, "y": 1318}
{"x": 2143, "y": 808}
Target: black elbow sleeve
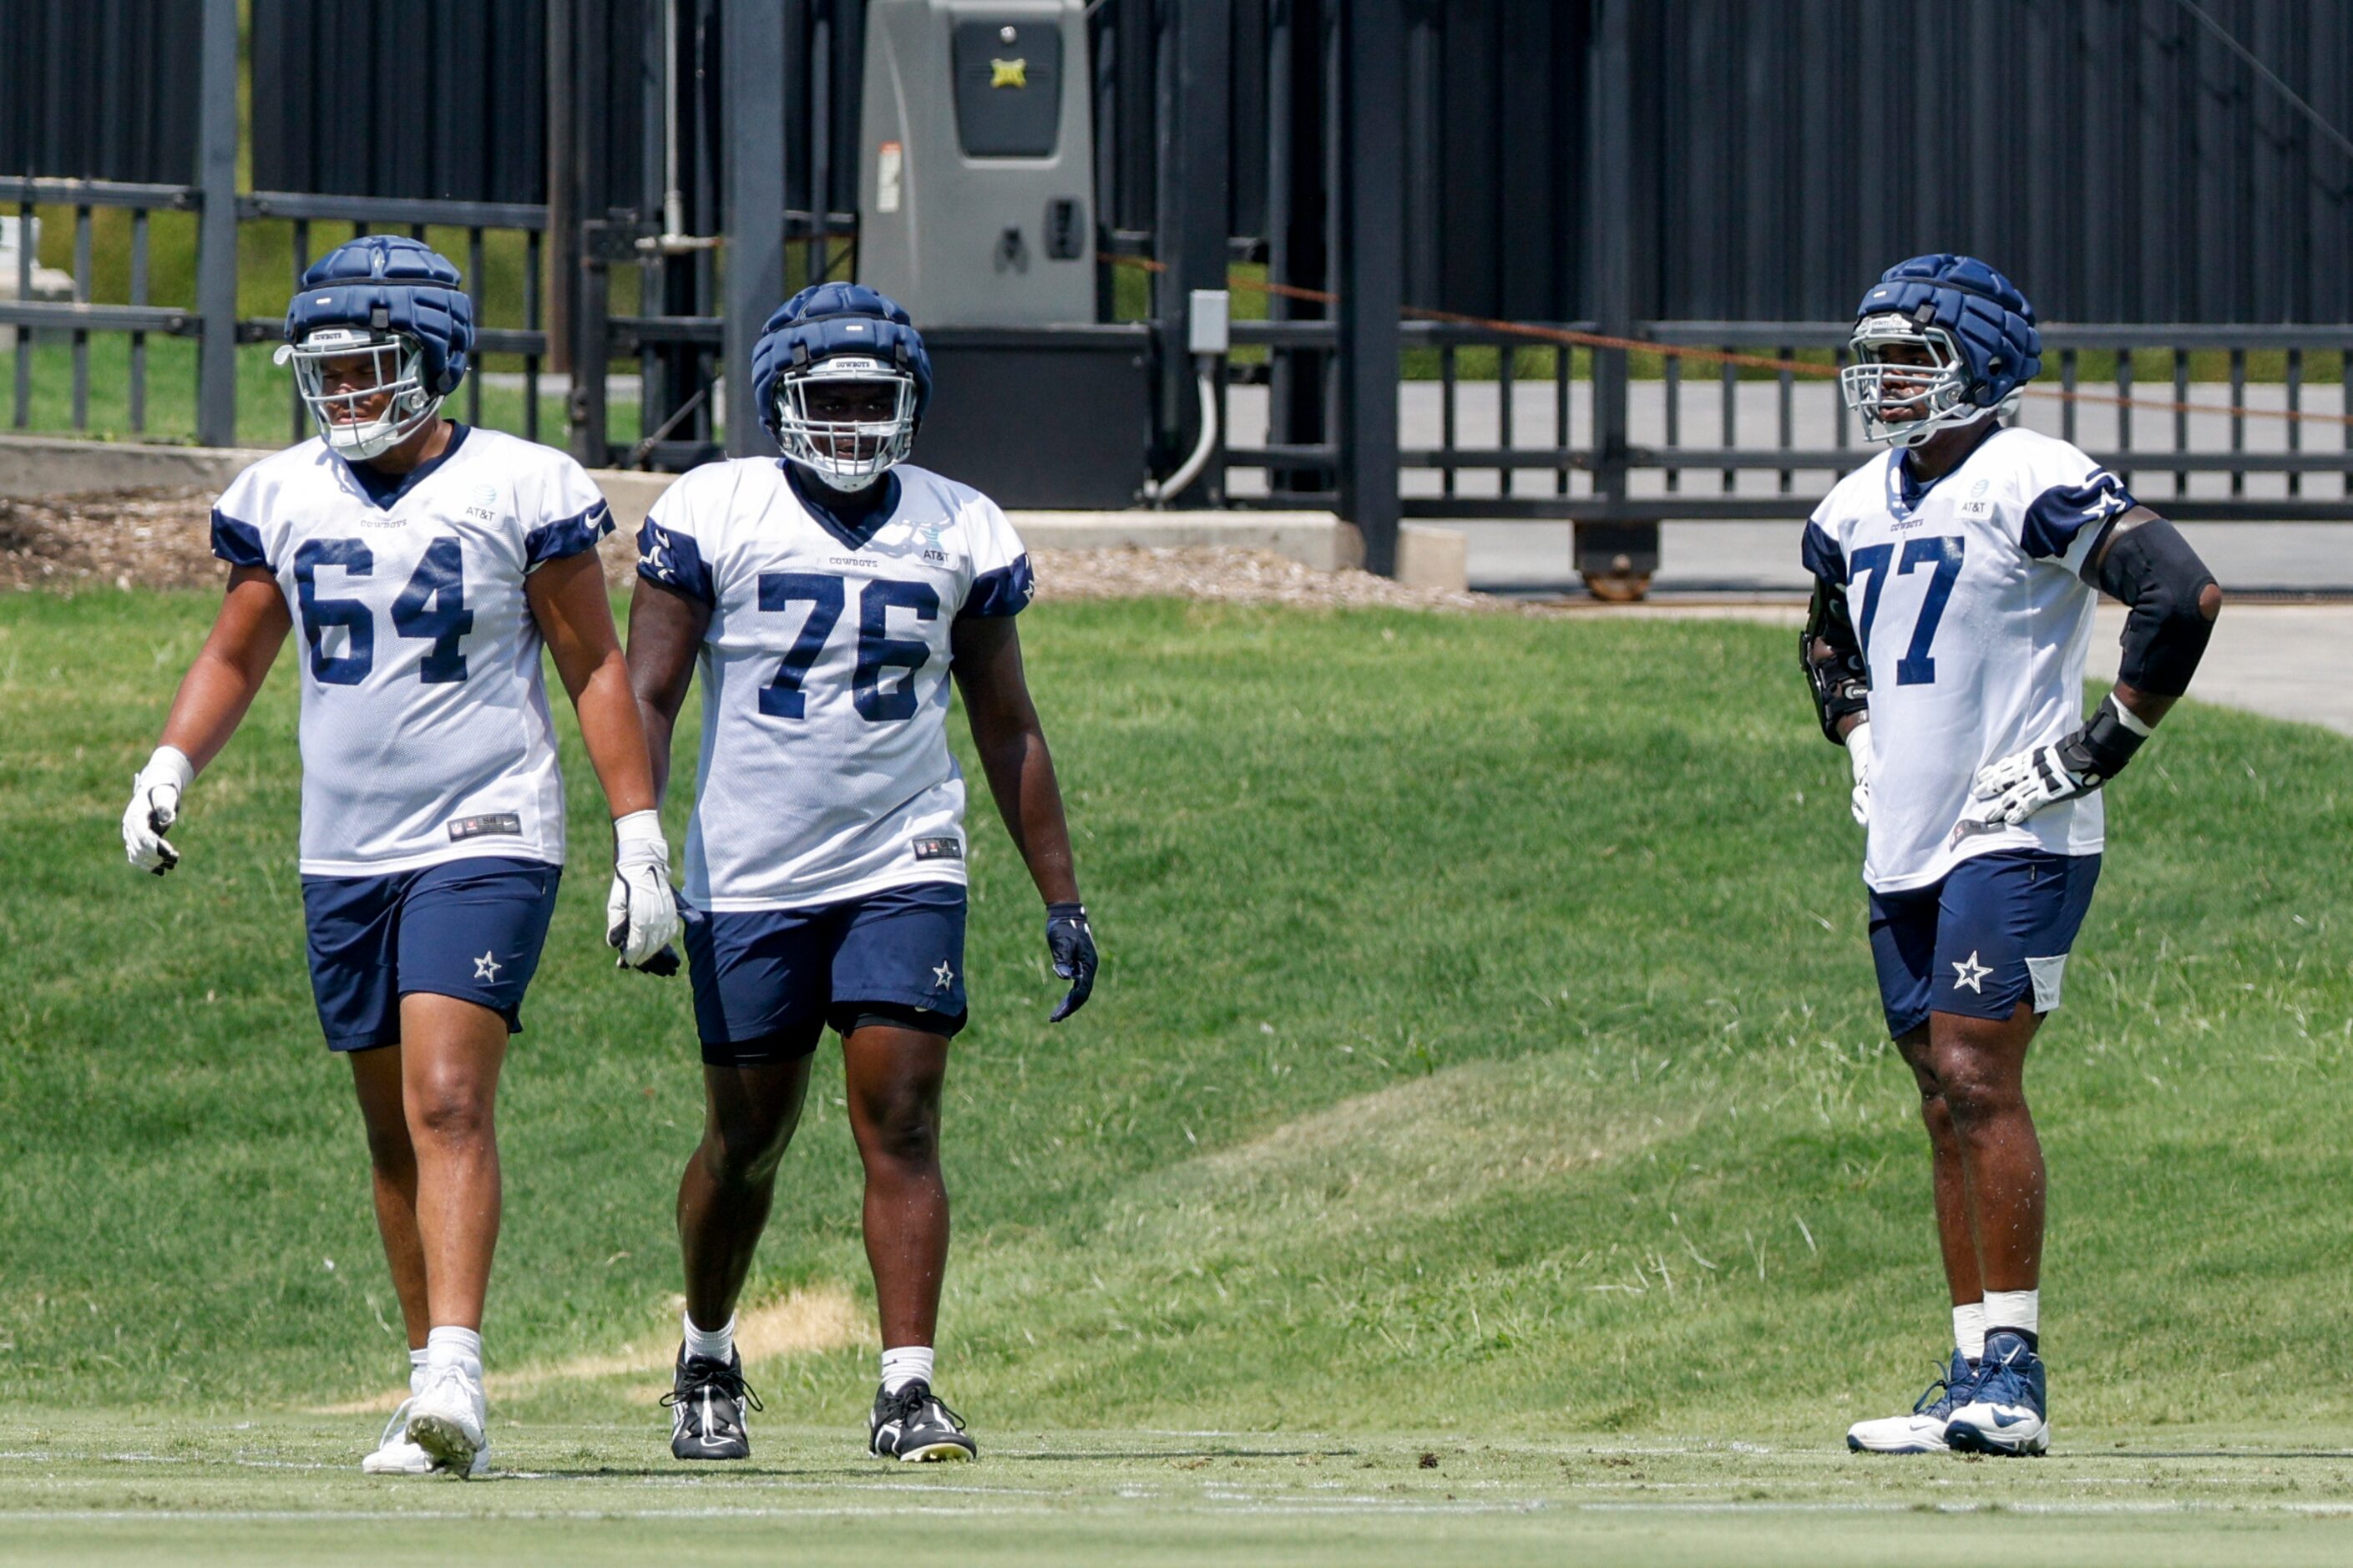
{"x": 2152, "y": 568}
{"x": 1831, "y": 656}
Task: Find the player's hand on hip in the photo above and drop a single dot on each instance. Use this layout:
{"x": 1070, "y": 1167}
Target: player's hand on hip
{"x": 641, "y": 912}
{"x": 154, "y": 805}
{"x": 2017, "y": 787}
{"x": 1070, "y": 942}
{"x": 1860, "y": 758}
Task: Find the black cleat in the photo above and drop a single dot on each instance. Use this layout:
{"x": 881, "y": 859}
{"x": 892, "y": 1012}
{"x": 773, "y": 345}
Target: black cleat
{"x": 913, "y": 1425}
{"x": 706, "y": 1403}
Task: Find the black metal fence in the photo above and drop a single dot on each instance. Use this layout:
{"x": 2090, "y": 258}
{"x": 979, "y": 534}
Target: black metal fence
{"x": 1756, "y": 162}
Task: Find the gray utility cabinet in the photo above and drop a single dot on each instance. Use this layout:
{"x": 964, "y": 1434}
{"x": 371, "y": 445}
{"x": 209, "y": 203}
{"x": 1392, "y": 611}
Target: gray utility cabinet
{"x": 977, "y": 168}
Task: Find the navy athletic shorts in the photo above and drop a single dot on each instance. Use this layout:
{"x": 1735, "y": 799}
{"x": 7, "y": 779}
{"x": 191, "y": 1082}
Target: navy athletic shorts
{"x": 471, "y": 929}
{"x": 767, "y": 982}
{"x": 1997, "y": 929}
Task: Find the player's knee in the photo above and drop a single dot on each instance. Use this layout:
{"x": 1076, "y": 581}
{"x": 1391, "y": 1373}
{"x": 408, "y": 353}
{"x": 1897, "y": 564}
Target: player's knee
{"x": 905, "y": 1132}
{"x": 1976, "y": 1094}
{"x": 450, "y": 1111}
{"x": 744, "y": 1154}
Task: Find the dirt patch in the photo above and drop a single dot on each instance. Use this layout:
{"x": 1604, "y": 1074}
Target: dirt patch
{"x": 803, "y": 1322}
{"x": 161, "y": 539}
{"x": 125, "y": 539}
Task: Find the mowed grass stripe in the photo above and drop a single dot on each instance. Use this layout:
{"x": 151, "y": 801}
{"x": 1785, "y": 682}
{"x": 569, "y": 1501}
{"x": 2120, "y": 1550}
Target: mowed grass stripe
{"x": 1486, "y": 1033}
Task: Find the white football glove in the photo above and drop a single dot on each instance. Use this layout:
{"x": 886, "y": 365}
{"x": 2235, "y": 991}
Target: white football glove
{"x": 641, "y": 912}
{"x": 1860, "y": 758}
{"x": 2017, "y": 787}
{"x": 154, "y": 805}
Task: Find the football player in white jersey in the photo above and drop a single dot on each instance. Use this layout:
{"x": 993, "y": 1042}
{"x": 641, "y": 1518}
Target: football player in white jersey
{"x": 1956, "y": 577}
{"x": 827, "y": 598}
{"x": 426, "y": 564}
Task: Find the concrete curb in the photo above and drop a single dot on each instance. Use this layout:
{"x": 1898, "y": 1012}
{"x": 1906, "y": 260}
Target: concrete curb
{"x": 36, "y": 467}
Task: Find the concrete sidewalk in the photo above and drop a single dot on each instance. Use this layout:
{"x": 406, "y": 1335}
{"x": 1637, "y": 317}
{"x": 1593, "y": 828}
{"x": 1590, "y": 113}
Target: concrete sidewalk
{"x": 2285, "y": 661}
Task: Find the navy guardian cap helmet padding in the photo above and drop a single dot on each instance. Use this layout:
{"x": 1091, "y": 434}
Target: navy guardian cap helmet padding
{"x": 393, "y": 284}
{"x": 399, "y": 307}
{"x": 841, "y": 333}
{"x": 1979, "y": 330}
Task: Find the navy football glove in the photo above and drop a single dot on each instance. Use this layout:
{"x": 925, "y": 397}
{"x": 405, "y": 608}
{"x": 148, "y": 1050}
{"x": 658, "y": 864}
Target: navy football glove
{"x": 1071, "y": 944}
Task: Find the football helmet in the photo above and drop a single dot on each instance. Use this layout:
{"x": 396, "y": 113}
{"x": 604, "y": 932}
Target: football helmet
{"x": 1973, "y": 328}
{"x": 378, "y": 334}
{"x": 841, "y": 381}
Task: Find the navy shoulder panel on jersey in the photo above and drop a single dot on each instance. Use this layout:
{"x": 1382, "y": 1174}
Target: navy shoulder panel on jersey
{"x": 1822, "y": 556}
{"x": 2059, "y": 513}
{"x": 672, "y": 560}
{"x": 568, "y": 535}
{"x": 1004, "y": 591}
{"x": 238, "y": 543}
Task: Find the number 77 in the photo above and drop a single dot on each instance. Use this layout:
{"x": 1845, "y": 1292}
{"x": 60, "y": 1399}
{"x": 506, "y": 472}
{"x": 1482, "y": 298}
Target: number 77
{"x": 1916, "y": 668}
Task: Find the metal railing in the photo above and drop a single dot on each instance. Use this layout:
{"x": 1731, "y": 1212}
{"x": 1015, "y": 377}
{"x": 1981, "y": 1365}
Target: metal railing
{"x": 1729, "y": 423}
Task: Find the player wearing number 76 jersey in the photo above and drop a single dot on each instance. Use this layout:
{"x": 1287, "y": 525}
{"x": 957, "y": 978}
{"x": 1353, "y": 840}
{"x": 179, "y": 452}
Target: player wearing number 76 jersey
{"x": 426, "y": 565}
{"x": 1955, "y": 582}
{"x": 827, "y": 598}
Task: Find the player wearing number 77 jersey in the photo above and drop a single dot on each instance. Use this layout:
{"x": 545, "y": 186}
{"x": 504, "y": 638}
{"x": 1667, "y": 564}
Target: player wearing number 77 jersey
{"x": 1955, "y": 584}
{"x": 426, "y": 565}
{"x": 827, "y": 598}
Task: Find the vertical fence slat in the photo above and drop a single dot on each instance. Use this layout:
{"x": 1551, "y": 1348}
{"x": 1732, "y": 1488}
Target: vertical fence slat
{"x": 1506, "y": 366}
{"x": 474, "y": 291}
{"x": 2067, "y": 384}
{"x": 1446, "y": 380}
{"x": 1730, "y": 380}
{"x": 2124, "y": 410}
{"x": 138, "y": 387}
{"x": 1564, "y": 364}
{"x": 81, "y": 334}
{"x": 1788, "y": 431}
{"x": 2295, "y": 409}
{"x": 23, "y": 336}
{"x": 2238, "y": 418}
{"x": 2180, "y": 419}
{"x": 531, "y": 248}
{"x": 1674, "y": 390}
{"x": 298, "y": 425}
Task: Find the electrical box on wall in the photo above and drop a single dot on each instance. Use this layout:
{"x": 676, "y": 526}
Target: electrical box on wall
{"x": 976, "y": 178}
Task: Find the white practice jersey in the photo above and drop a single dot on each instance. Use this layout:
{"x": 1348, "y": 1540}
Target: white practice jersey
{"x": 1974, "y": 626}
{"x": 426, "y": 735}
{"x": 825, "y": 773}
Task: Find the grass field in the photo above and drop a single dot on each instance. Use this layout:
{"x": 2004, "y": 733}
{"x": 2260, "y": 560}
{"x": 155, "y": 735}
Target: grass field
{"x": 1486, "y": 1064}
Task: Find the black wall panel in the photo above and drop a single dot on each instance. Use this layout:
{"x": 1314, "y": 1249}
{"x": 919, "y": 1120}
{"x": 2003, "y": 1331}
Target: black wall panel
{"x": 98, "y": 89}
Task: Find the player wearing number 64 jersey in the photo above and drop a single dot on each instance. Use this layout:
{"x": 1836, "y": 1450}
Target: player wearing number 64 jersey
{"x": 426, "y": 565}
{"x": 1956, "y": 577}
{"x": 827, "y": 598}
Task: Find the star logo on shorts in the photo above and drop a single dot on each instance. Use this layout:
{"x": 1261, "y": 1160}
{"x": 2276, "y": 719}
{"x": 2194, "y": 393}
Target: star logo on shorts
{"x": 487, "y": 967}
{"x": 941, "y": 976}
{"x": 1972, "y": 973}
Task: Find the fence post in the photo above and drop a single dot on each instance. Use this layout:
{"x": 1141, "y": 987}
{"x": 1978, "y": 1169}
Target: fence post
{"x": 753, "y": 97}
{"x": 216, "y": 227}
{"x": 1194, "y": 213}
{"x": 1616, "y": 558}
{"x": 1371, "y": 270}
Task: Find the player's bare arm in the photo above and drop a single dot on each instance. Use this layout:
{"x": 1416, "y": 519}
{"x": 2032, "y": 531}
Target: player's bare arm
{"x": 1013, "y": 753}
{"x": 219, "y": 686}
{"x": 665, "y": 629}
{"x": 567, "y": 600}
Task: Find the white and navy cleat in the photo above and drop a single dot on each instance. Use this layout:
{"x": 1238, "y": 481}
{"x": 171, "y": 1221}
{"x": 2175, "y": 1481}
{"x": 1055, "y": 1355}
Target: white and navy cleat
{"x": 2005, "y": 1413}
{"x": 1923, "y": 1431}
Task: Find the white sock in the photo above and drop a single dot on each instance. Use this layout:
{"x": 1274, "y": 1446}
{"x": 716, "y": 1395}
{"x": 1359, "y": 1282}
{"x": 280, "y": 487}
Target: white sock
{"x": 715, "y": 1344}
{"x": 2014, "y": 1310}
{"x": 455, "y": 1347}
{"x": 416, "y": 1371}
{"x": 906, "y": 1364}
{"x": 1969, "y": 1330}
